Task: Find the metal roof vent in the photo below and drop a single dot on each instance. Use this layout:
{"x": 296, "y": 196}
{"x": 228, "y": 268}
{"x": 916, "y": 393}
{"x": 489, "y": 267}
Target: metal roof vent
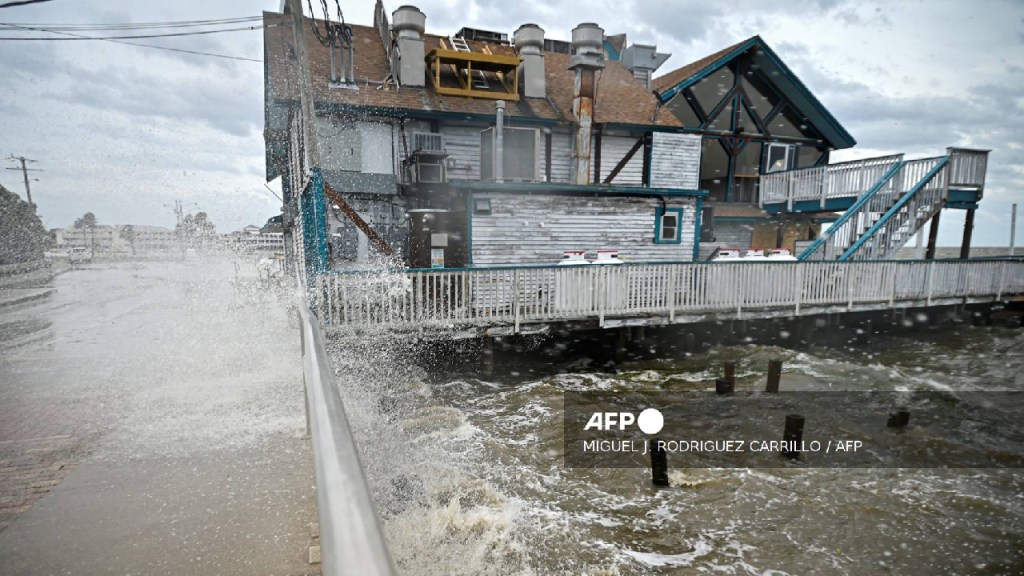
{"x": 408, "y": 25}
{"x": 529, "y": 41}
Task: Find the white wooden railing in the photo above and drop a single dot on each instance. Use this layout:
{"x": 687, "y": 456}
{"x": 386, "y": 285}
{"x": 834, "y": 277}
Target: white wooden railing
{"x": 840, "y": 180}
{"x": 513, "y": 296}
{"x": 967, "y": 168}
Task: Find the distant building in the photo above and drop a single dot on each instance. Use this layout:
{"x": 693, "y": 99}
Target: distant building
{"x": 108, "y": 240}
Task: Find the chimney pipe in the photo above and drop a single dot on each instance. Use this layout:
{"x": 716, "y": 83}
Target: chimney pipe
{"x": 588, "y": 44}
{"x": 529, "y": 42}
{"x": 409, "y": 24}
{"x": 499, "y": 143}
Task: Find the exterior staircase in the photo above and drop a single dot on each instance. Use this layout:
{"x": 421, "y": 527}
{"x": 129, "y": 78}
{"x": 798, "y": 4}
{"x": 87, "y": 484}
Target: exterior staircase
{"x": 903, "y": 196}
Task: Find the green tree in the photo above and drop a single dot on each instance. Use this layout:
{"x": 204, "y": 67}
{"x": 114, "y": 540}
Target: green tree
{"x": 129, "y": 235}
{"x": 88, "y": 222}
{"x": 22, "y": 235}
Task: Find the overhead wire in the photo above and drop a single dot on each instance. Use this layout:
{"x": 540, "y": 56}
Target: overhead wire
{"x": 144, "y": 45}
{"x": 106, "y": 27}
{"x": 131, "y": 37}
{"x": 21, "y": 3}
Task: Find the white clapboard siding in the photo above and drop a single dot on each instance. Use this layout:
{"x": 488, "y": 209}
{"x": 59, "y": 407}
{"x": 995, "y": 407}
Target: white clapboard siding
{"x": 462, "y": 143}
{"x": 675, "y": 161}
{"x": 535, "y": 229}
{"x": 613, "y": 150}
{"x": 561, "y": 156}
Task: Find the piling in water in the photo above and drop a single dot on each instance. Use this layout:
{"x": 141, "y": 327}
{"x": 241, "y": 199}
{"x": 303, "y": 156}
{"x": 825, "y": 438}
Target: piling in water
{"x": 488, "y": 356}
{"x": 723, "y": 386}
{"x": 899, "y": 419}
{"x": 729, "y": 371}
{"x": 774, "y": 374}
{"x": 659, "y": 463}
{"x": 793, "y": 435}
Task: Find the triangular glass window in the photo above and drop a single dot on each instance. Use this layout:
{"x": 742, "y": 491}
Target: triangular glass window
{"x": 723, "y": 123}
{"x": 745, "y": 122}
{"x": 787, "y": 124}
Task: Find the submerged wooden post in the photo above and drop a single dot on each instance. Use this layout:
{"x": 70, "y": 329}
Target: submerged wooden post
{"x": 723, "y": 386}
{"x": 659, "y": 463}
{"x": 793, "y": 436}
{"x": 488, "y": 356}
{"x": 620, "y": 344}
{"x": 899, "y": 419}
{"x": 691, "y": 342}
{"x": 729, "y": 373}
{"x": 774, "y": 374}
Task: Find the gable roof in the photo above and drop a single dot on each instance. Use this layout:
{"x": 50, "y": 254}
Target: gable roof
{"x": 785, "y": 82}
{"x": 621, "y": 99}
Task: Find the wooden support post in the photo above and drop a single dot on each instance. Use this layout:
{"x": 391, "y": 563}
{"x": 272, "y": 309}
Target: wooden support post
{"x": 898, "y": 419}
{"x": 933, "y": 236}
{"x": 965, "y": 246}
{"x": 487, "y": 356}
{"x": 864, "y": 333}
{"x": 774, "y": 375}
{"x": 620, "y": 344}
{"x": 723, "y": 387}
{"x": 691, "y": 342}
{"x": 793, "y": 436}
{"x": 729, "y": 372}
{"x": 659, "y": 463}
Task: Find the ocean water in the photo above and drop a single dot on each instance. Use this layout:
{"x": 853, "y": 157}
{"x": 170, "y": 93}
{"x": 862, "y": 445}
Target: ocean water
{"x": 468, "y": 474}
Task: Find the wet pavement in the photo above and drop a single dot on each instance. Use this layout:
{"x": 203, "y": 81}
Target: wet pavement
{"x": 151, "y": 422}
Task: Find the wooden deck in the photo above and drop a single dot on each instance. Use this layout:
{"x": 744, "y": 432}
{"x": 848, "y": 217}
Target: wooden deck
{"x": 530, "y": 299}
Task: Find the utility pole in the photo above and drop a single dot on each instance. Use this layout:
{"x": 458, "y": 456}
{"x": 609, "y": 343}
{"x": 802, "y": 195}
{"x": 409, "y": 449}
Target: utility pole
{"x": 24, "y": 171}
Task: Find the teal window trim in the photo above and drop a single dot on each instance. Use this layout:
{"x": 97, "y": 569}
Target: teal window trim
{"x": 659, "y": 217}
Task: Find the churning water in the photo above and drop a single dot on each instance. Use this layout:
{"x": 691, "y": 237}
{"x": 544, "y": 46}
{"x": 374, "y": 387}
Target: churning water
{"x": 468, "y": 475}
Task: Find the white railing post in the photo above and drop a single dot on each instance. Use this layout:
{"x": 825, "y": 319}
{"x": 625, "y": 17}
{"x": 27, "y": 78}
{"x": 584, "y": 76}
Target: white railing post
{"x": 1002, "y": 279}
{"x": 515, "y": 300}
{"x": 601, "y": 279}
{"x": 671, "y": 300}
{"x": 931, "y": 274}
{"x": 799, "y": 286}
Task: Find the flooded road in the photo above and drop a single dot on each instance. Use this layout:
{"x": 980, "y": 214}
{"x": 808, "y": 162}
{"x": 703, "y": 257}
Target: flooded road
{"x": 469, "y": 471}
{"x": 151, "y": 421}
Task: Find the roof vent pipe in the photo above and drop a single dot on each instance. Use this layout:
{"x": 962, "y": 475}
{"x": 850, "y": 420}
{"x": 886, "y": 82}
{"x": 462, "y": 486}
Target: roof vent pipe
{"x": 408, "y": 25}
{"x": 529, "y": 42}
{"x": 499, "y": 142}
{"x": 587, "y": 42}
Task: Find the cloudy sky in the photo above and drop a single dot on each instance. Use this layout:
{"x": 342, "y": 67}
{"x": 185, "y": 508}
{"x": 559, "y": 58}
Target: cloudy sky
{"x": 124, "y": 131}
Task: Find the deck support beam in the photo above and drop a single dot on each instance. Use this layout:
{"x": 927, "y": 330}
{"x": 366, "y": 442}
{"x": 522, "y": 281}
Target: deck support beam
{"x": 965, "y": 245}
{"x": 933, "y": 236}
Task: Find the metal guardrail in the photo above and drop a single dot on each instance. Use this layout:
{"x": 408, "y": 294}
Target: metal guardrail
{"x": 351, "y": 540}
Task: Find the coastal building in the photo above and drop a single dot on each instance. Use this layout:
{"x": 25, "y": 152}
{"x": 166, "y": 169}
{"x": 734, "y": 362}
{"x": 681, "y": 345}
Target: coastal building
{"x": 479, "y": 148}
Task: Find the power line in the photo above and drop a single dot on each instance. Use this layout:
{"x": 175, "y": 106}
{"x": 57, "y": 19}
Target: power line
{"x": 21, "y": 3}
{"x": 100, "y": 27}
{"x": 182, "y": 50}
{"x": 133, "y": 37}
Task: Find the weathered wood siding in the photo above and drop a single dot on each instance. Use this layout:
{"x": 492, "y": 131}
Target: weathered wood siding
{"x": 462, "y": 143}
{"x": 561, "y": 156}
{"x": 536, "y": 229}
{"x": 613, "y": 150}
{"x": 675, "y": 161}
